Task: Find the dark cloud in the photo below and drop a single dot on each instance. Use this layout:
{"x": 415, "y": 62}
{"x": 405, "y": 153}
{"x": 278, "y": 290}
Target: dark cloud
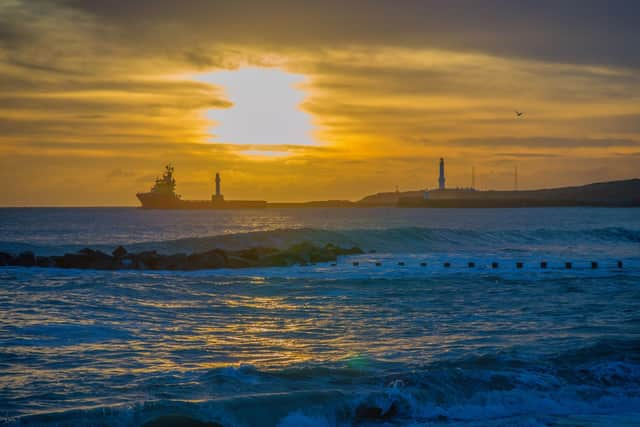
{"x": 546, "y": 142}
{"x": 40, "y": 67}
{"x": 527, "y": 155}
{"x": 618, "y": 123}
{"x": 570, "y": 31}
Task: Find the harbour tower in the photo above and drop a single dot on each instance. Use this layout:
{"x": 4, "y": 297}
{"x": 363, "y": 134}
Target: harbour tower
{"x": 217, "y": 197}
{"x": 441, "y": 180}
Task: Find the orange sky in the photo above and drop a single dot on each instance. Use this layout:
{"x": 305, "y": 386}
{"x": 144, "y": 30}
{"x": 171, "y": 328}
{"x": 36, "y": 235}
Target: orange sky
{"x": 95, "y": 97}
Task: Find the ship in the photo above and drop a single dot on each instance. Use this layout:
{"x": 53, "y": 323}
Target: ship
{"x": 163, "y": 196}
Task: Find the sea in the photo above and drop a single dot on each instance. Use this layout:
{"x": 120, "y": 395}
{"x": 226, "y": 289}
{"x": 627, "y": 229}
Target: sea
{"x": 392, "y": 337}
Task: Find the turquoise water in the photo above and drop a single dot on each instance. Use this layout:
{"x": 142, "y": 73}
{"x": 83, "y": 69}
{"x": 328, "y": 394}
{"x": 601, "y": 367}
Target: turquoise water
{"x": 327, "y": 345}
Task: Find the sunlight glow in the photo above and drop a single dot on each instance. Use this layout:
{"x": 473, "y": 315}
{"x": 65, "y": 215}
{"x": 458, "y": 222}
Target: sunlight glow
{"x": 266, "y": 108}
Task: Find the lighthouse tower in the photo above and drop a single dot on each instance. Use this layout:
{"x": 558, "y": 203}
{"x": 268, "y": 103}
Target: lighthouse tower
{"x": 218, "y": 197}
{"x": 441, "y": 180}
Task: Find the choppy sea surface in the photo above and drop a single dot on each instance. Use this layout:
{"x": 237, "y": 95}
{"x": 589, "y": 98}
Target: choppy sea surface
{"x": 328, "y": 345}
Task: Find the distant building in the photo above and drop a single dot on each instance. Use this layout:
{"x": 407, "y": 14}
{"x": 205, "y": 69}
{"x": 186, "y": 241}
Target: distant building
{"x": 441, "y": 180}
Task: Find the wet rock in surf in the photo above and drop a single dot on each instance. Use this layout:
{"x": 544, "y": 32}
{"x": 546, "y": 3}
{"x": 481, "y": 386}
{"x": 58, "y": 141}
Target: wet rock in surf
{"x": 5, "y": 259}
{"x": 119, "y": 252}
{"x": 45, "y": 262}
{"x": 216, "y": 258}
{"x": 147, "y": 260}
{"x": 85, "y": 259}
{"x": 174, "y": 262}
{"x": 24, "y": 259}
{"x": 257, "y": 253}
{"x": 368, "y": 413}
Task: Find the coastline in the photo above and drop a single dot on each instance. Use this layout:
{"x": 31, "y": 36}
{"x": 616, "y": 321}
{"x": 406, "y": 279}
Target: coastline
{"x": 624, "y": 193}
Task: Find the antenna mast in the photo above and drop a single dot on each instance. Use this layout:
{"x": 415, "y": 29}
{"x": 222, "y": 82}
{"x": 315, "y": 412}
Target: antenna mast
{"x": 515, "y": 178}
{"x": 473, "y": 177}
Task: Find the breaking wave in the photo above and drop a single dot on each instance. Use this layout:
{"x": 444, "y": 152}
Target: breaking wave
{"x": 600, "y": 382}
{"x": 403, "y": 240}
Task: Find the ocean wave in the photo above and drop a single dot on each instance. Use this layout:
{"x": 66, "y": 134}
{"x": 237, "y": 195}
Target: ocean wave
{"x": 407, "y": 239}
{"x": 599, "y": 382}
{"x": 393, "y": 240}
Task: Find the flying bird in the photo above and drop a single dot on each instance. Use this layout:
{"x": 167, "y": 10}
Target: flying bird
{"x": 519, "y": 113}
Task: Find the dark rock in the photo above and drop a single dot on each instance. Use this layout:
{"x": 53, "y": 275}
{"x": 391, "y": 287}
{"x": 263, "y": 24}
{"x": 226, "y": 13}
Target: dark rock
{"x": 5, "y": 258}
{"x": 45, "y": 261}
{"x": 366, "y": 412}
{"x": 98, "y": 259}
{"x": 301, "y": 254}
{"x": 85, "y": 258}
{"x": 306, "y": 252}
{"x": 147, "y": 260}
{"x": 119, "y": 252}
{"x": 281, "y": 259}
{"x": 179, "y": 421}
{"x": 174, "y": 262}
{"x": 234, "y": 261}
{"x": 257, "y": 253}
{"x": 25, "y": 259}
{"x": 216, "y": 258}
{"x": 338, "y": 251}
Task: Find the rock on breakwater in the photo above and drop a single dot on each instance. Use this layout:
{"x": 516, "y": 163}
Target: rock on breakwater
{"x": 120, "y": 259}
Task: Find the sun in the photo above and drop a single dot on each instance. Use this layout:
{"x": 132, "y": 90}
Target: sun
{"x": 266, "y": 109}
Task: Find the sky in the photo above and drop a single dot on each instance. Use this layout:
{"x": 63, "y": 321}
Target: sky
{"x": 306, "y": 100}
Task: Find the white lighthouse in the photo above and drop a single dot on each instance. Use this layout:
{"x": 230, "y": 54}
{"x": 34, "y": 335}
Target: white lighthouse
{"x": 441, "y": 180}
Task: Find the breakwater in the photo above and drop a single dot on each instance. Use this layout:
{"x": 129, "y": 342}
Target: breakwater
{"x": 121, "y": 259}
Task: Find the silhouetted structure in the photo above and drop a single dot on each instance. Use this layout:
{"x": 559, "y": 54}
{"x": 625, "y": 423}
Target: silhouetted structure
{"x": 163, "y": 196}
{"x": 615, "y": 193}
{"x": 217, "y": 197}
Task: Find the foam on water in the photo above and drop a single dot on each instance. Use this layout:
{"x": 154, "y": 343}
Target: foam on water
{"x": 503, "y": 390}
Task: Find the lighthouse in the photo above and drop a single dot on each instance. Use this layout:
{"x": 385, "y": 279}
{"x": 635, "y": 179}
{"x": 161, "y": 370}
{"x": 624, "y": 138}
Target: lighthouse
{"x": 218, "y": 195}
{"x": 441, "y": 180}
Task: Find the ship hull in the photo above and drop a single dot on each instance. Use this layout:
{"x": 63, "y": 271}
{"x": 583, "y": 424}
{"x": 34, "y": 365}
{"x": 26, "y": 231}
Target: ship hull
{"x": 152, "y": 201}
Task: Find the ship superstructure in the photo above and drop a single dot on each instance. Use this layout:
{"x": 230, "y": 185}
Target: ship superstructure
{"x": 162, "y": 194}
